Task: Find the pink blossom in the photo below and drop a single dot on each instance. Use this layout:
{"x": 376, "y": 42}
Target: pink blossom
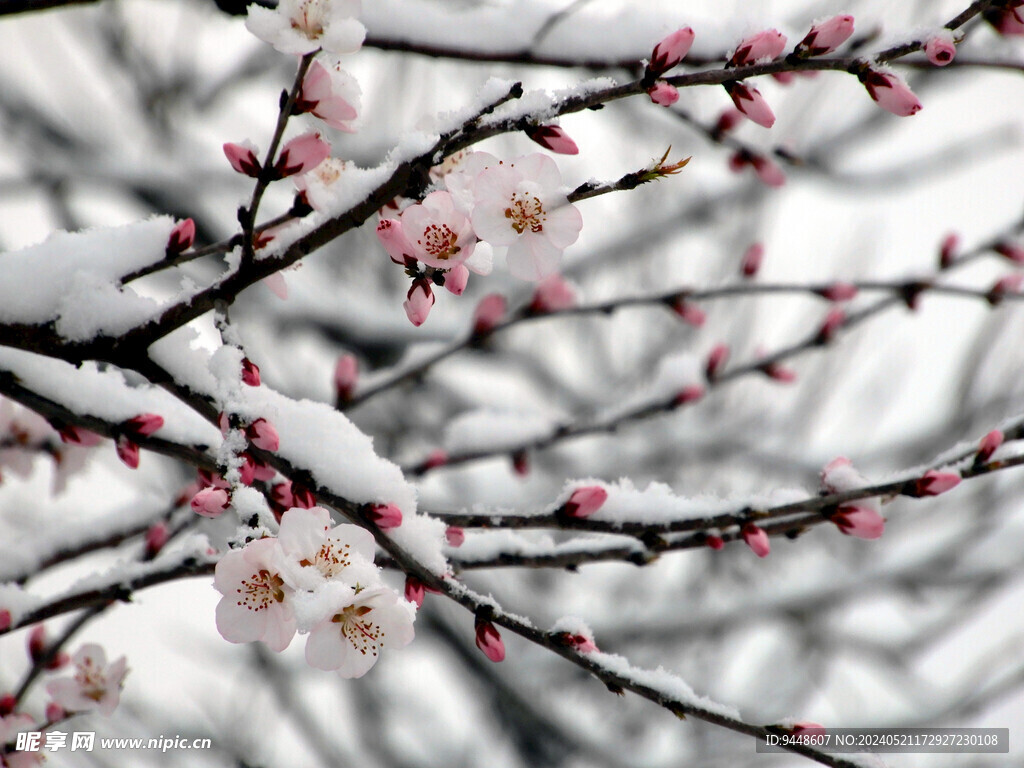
{"x": 260, "y": 470}
{"x": 418, "y": 302}
{"x": 156, "y": 538}
{"x": 689, "y": 313}
{"x": 181, "y": 237}
{"x": 247, "y": 469}
{"x": 5, "y": 619}
{"x": 54, "y": 712}
{"x": 1011, "y": 251}
{"x": 860, "y": 521}
{"x": 585, "y": 501}
{"x": 520, "y": 205}
{"x": 243, "y": 158}
{"x": 663, "y": 94}
{"x": 783, "y": 78}
{"x": 250, "y": 372}
{"x": 756, "y": 539}
{"x": 73, "y": 435}
{"x": 554, "y": 138}
{"x": 933, "y": 482}
{"x": 716, "y": 361}
{"x": 751, "y": 103}
{"x": 331, "y": 94}
{"x": 489, "y": 641}
{"x": 346, "y": 375}
{"x": 437, "y": 458}
{"x": 302, "y": 154}
{"x": 553, "y": 294}
{"x": 948, "y": 250}
{"x": 988, "y": 445}
{"x": 1007, "y": 21}
{"x": 318, "y": 187}
{"x": 304, "y": 26}
{"x": 689, "y": 394}
{"x": 670, "y": 51}
{"x": 263, "y": 435}
{"x": 254, "y": 605}
{"x": 210, "y": 502}
{"x": 1004, "y": 285}
{"x": 768, "y": 171}
{"x": 311, "y": 550}
{"x": 386, "y": 516}
{"x": 779, "y": 373}
{"x": 438, "y": 233}
{"x": 764, "y": 46}
{"x": 350, "y": 640}
{"x": 715, "y": 542}
{"x": 806, "y": 728}
{"x": 752, "y": 259}
{"x": 95, "y": 685}
{"x": 826, "y": 36}
{"x": 415, "y": 591}
{"x": 7, "y": 705}
{"x": 392, "y": 237}
{"x": 143, "y": 425}
{"x": 891, "y": 93}
{"x": 839, "y": 291}
{"x": 127, "y": 451}
{"x": 454, "y": 535}
{"x": 728, "y": 120}
{"x": 488, "y": 314}
{"x": 456, "y": 280}
{"x": 834, "y": 320}
{"x": 579, "y": 642}
{"x": 940, "y": 49}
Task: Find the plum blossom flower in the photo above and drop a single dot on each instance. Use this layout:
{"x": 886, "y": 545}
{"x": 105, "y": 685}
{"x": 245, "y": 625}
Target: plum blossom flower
{"x": 95, "y": 684}
{"x": 303, "y": 26}
{"x": 254, "y": 605}
{"x": 521, "y": 205}
{"x": 438, "y": 234}
{"x": 488, "y": 640}
{"x": 670, "y": 51}
{"x": 351, "y": 639}
{"x": 891, "y": 93}
{"x": 311, "y": 551}
{"x": 317, "y": 186}
{"x": 825, "y": 36}
{"x": 330, "y": 93}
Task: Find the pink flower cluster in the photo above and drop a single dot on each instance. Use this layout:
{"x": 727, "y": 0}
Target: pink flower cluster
{"x": 518, "y": 208}
{"x": 317, "y": 579}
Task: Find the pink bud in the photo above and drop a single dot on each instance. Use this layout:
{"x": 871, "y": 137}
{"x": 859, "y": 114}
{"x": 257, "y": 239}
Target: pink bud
{"x": 834, "y": 320}
{"x": 250, "y": 372}
{"x": 275, "y": 282}
{"x": 663, "y": 94}
{"x": 78, "y": 436}
{"x": 55, "y": 712}
{"x": 243, "y": 158}
{"x": 670, "y": 51}
{"x": 5, "y": 619}
{"x": 392, "y": 237}
{"x": 585, "y": 501}
{"x": 1011, "y": 251}
{"x": 715, "y": 542}
{"x": 940, "y": 50}
{"x": 839, "y": 292}
{"x": 717, "y": 358}
{"x": 281, "y": 495}
{"x": 806, "y": 728}
{"x": 861, "y": 522}
{"x": 418, "y": 302}
{"x": 948, "y": 250}
{"x": 181, "y": 237}
{"x": 932, "y": 483}
{"x": 988, "y": 445}
{"x": 891, "y": 93}
{"x": 143, "y": 425}
{"x": 1007, "y": 21}
{"x": 553, "y": 294}
{"x": 302, "y": 154}
{"x": 262, "y": 471}
{"x": 7, "y": 702}
{"x": 728, "y": 120}
{"x": 779, "y": 373}
{"x": 386, "y": 516}
{"x": 826, "y": 36}
{"x": 437, "y": 458}
{"x": 489, "y": 641}
{"x": 689, "y": 313}
{"x": 756, "y": 539}
{"x": 554, "y": 138}
{"x": 302, "y": 497}
{"x": 414, "y": 591}
{"x": 489, "y": 312}
{"x": 60, "y": 660}
{"x": 764, "y": 46}
{"x": 457, "y": 279}
{"x": 346, "y": 374}
{"x": 322, "y": 96}
{"x": 579, "y": 643}
{"x": 156, "y": 537}
{"x": 263, "y": 435}
{"x": 751, "y": 103}
{"x": 783, "y": 78}
{"x": 37, "y": 644}
{"x": 1004, "y": 285}
{"x": 208, "y": 479}
{"x": 210, "y": 502}
{"x": 689, "y": 394}
{"x": 127, "y": 451}
{"x": 768, "y": 171}
{"x": 247, "y": 469}
{"x": 752, "y": 260}
{"x": 521, "y": 463}
{"x": 454, "y": 535}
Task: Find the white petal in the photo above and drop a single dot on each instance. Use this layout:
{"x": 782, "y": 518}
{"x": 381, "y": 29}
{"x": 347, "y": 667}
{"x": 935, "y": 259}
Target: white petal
{"x": 563, "y": 226}
{"x": 533, "y": 257}
{"x": 482, "y": 260}
{"x": 343, "y": 36}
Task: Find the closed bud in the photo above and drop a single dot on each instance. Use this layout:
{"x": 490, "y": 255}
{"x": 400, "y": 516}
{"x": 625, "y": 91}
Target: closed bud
{"x": 752, "y": 259}
{"x": 716, "y": 361}
{"x": 554, "y": 138}
{"x": 250, "y": 372}
{"x": 489, "y": 312}
{"x": 454, "y": 535}
{"x": 933, "y": 483}
{"x": 346, "y": 375}
{"x": 663, "y": 94}
{"x": 988, "y": 445}
{"x": 181, "y": 237}
{"x": 386, "y": 516}
{"x": 756, "y": 539}
{"x": 670, "y": 51}
{"x": 764, "y": 46}
{"x": 585, "y": 501}
{"x": 826, "y": 36}
{"x": 489, "y": 641}
{"x": 940, "y": 49}
{"x": 751, "y": 103}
